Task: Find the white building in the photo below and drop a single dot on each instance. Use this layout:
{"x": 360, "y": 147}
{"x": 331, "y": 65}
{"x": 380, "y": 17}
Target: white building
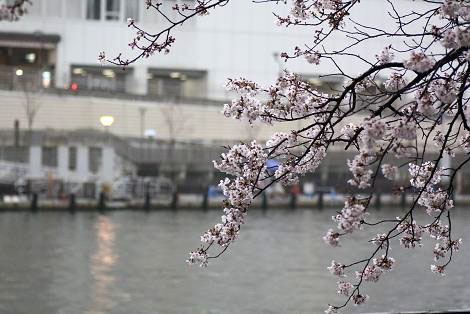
{"x": 57, "y": 44}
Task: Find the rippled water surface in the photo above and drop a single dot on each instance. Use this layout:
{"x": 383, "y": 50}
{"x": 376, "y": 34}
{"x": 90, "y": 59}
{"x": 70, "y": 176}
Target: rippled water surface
{"x": 133, "y": 262}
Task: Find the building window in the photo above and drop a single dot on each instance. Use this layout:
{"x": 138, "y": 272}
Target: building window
{"x": 112, "y": 10}
{"x": 95, "y": 156}
{"x": 99, "y": 78}
{"x": 177, "y": 83}
{"x": 93, "y": 10}
{"x": 72, "y": 158}
{"x": 49, "y": 156}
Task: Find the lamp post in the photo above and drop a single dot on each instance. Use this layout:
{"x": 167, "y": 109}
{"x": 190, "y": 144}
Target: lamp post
{"x": 107, "y": 121}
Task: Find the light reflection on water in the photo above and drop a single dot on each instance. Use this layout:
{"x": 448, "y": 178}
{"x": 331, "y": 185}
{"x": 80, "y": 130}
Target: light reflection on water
{"x": 132, "y": 262}
{"x": 101, "y": 264}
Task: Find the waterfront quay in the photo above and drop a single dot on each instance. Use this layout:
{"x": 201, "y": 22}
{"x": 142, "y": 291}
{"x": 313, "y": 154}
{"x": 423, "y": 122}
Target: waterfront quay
{"x": 318, "y": 201}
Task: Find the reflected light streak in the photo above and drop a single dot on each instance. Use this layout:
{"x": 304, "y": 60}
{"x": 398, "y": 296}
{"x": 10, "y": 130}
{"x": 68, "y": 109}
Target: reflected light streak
{"x": 101, "y": 266}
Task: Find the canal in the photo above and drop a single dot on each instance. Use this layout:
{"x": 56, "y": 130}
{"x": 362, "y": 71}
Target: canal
{"x": 134, "y": 262}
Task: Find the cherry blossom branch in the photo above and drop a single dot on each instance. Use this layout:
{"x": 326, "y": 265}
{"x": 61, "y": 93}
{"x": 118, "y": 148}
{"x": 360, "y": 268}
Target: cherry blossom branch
{"x": 13, "y": 12}
{"x": 410, "y": 121}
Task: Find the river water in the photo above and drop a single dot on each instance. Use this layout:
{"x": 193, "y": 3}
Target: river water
{"x": 134, "y": 262}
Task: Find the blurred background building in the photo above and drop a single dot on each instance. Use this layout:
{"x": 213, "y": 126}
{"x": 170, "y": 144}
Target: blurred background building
{"x": 68, "y": 122}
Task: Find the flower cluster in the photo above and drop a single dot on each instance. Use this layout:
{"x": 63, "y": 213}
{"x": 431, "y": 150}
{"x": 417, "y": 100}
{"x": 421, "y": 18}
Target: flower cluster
{"x": 349, "y": 130}
{"x": 453, "y": 9}
{"x": 360, "y": 171}
{"x": 438, "y": 269}
{"x": 384, "y": 263}
{"x": 405, "y": 130}
{"x": 390, "y": 172}
{"x": 435, "y": 201}
{"x": 373, "y": 272}
{"x": 411, "y": 234}
{"x": 359, "y": 299}
{"x": 380, "y": 240}
{"x": 312, "y": 58}
{"x": 370, "y": 273}
{"x": 13, "y": 10}
{"x": 336, "y": 269}
{"x": 395, "y": 82}
{"x": 444, "y": 90}
{"x": 419, "y": 62}
{"x": 198, "y": 257}
{"x": 465, "y": 142}
{"x": 332, "y": 238}
{"x": 290, "y": 97}
{"x": 425, "y": 102}
{"x": 441, "y": 249}
{"x": 351, "y": 216}
{"x": 344, "y": 287}
{"x": 386, "y": 55}
{"x": 421, "y": 174}
{"x": 243, "y": 160}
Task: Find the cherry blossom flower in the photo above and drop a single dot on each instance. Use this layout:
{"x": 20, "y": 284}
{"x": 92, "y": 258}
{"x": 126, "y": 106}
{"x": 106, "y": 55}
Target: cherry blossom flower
{"x": 331, "y": 310}
{"x": 411, "y": 234}
{"x": 386, "y": 55}
{"x": 359, "y": 299}
{"x": 420, "y": 174}
{"x": 437, "y": 269}
{"x": 390, "y": 172}
{"x": 371, "y": 273}
{"x": 419, "y": 62}
{"x": 336, "y": 269}
{"x": 344, "y": 287}
{"x": 332, "y": 238}
{"x": 312, "y": 58}
{"x": 395, "y": 82}
{"x": 384, "y": 263}
{"x": 380, "y": 240}
{"x": 198, "y": 257}
{"x": 351, "y": 216}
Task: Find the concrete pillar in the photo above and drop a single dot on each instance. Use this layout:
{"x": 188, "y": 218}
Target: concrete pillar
{"x": 136, "y": 82}
{"x": 459, "y": 179}
{"x": 35, "y": 162}
{"x": 82, "y": 162}
{"x": 63, "y": 162}
{"x": 62, "y": 69}
{"x": 446, "y": 163}
{"x": 107, "y": 166}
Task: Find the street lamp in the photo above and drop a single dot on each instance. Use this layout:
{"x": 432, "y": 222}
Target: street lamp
{"x": 106, "y": 120}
